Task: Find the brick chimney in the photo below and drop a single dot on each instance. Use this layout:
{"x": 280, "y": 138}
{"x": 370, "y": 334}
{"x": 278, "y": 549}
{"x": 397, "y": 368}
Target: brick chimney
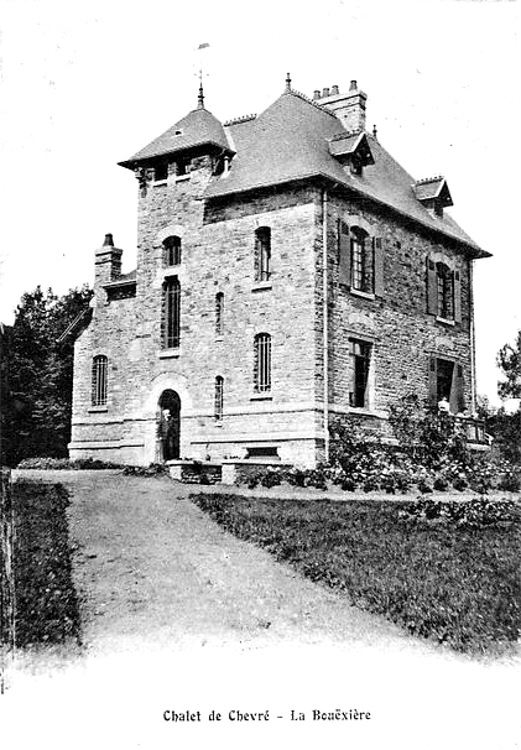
{"x": 107, "y": 262}
{"x": 349, "y": 107}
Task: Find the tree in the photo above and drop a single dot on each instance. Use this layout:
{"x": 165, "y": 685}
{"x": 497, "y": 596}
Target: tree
{"x": 509, "y": 362}
{"x": 41, "y": 372}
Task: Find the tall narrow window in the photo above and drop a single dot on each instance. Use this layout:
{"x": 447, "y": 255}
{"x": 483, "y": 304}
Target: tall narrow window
{"x": 219, "y": 398}
{"x": 171, "y": 313}
{"x": 362, "y": 261}
{"x": 360, "y": 354}
{"x": 219, "y": 314}
{"x": 172, "y": 251}
{"x": 99, "y": 380}
{"x": 263, "y": 254}
{"x": 445, "y": 282}
{"x": 262, "y": 363}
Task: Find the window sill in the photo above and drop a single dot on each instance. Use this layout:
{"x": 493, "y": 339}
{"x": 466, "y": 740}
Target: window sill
{"x": 171, "y": 270}
{"x": 182, "y": 178}
{"x": 261, "y": 286}
{"x": 360, "y": 293}
{"x": 97, "y": 409}
{"x": 363, "y": 411}
{"x": 219, "y": 338}
{"x": 445, "y": 321}
{"x": 261, "y": 397}
{"x": 159, "y": 183}
{"x": 169, "y": 353}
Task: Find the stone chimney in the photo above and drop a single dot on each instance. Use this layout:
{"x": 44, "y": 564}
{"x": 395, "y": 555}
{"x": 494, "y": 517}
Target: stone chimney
{"x": 107, "y": 262}
{"x": 349, "y": 107}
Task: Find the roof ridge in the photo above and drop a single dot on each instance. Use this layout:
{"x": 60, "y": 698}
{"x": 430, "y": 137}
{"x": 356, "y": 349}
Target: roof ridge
{"x": 237, "y": 120}
{"x": 348, "y": 134}
{"x": 424, "y": 180}
{"x": 307, "y": 99}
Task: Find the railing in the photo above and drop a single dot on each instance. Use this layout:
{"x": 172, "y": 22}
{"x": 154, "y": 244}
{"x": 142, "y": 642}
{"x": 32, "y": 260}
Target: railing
{"x": 473, "y": 429}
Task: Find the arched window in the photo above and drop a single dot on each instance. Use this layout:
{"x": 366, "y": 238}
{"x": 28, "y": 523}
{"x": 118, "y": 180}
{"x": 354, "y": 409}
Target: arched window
{"x": 362, "y": 261}
{"x": 263, "y": 254}
{"x": 445, "y": 285}
{"x": 219, "y": 398}
{"x": 172, "y": 251}
{"x": 99, "y": 380}
{"x": 219, "y": 314}
{"x": 262, "y": 363}
{"x": 171, "y": 320}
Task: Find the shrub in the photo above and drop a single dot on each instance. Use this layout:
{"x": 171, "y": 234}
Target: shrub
{"x": 44, "y": 463}
{"x": 440, "y": 483}
{"x": 272, "y": 478}
{"x": 510, "y": 482}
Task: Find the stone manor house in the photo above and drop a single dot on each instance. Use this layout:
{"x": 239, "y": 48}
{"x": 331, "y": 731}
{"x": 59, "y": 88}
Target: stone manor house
{"x": 290, "y": 272}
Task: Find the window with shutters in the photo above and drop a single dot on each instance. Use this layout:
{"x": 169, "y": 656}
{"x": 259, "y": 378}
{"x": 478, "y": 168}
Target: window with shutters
{"x": 219, "y": 398}
{"x": 172, "y": 251}
{"x": 171, "y": 318}
{"x": 446, "y": 381}
{"x": 99, "y": 380}
{"x": 262, "y": 363}
{"x": 445, "y": 291}
{"x": 362, "y": 261}
{"x": 219, "y": 314}
{"x": 360, "y": 360}
{"x": 263, "y": 254}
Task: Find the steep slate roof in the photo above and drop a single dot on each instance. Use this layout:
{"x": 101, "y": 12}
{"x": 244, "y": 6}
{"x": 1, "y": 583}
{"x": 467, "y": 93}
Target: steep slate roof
{"x": 198, "y": 128}
{"x": 291, "y": 141}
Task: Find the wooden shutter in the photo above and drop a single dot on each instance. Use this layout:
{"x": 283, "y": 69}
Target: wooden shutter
{"x": 457, "y": 391}
{"x": 433, "y": 381}
{"x": 378, "y": 267}
{"x": 432, "y": 288}
{"x": 457, "y": 297}
{"x": 344, "y": 260}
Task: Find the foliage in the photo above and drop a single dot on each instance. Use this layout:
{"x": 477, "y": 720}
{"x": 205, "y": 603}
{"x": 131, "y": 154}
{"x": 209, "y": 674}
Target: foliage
{"x": 40, "y": 373}
{"x": 49, "y": 463}
{"x": 509, "y": 362}
{"x": 455, "y": 580}
{"x": 46, "y": 602}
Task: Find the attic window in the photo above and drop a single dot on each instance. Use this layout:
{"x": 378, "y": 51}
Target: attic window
{"x": 161, "y": 172}
{"x": 182, "y": 167}
{"x": 178, "y": 132}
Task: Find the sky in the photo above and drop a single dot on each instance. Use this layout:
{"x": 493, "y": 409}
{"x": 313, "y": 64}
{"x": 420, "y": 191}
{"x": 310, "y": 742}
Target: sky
{"x": 84, "y": 85}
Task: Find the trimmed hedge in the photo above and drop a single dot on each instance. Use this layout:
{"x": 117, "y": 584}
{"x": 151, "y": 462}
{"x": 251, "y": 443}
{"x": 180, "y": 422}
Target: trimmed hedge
{"x": 458, "y": 583}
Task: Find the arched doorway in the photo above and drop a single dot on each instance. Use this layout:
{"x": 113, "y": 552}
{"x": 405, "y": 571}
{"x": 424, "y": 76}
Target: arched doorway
{"x": 169, "y": 425}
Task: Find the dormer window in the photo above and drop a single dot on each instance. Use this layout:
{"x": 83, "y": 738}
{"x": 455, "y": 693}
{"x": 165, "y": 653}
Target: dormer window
{"x": 434, "y": 194}
{"x": 352, "y": 150}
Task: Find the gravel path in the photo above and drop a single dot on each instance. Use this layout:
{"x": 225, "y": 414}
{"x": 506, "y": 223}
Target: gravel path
{"x": 178, "y": 614}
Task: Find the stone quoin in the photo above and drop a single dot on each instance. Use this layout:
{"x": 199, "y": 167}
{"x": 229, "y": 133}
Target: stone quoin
{"x": 290, "y": 272}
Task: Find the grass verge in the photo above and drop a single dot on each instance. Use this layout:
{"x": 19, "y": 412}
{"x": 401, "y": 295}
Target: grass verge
{"x": 47, "y": 609}
{"x": 457, "y": 584}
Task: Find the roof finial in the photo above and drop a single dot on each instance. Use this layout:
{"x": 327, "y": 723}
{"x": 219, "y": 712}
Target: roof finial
{"x": 200, "y": 98}
{"x": 288, "y": 82}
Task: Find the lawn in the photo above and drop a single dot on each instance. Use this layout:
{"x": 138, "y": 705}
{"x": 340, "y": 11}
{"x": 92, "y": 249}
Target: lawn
{"x": 454, "y": 579}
